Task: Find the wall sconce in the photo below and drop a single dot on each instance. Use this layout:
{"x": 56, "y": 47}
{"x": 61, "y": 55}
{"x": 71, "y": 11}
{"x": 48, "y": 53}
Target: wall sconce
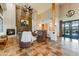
{"x": 55, "y": 24}
{"x": 39, "y": 25}
{"x": 50, "y": 25}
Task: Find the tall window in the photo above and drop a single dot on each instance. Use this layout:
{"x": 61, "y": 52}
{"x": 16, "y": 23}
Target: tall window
{"x": 1, "y": 24}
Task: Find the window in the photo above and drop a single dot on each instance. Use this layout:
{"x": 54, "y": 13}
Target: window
{"x": 1, "y": 24}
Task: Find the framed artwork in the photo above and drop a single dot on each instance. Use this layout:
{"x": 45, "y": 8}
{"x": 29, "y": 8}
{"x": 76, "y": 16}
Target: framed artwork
{"x": 24, "y": 22}
{"x": 70, "y": 13}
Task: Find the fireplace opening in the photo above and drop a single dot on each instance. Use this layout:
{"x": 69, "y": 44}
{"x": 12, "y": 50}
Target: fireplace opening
{"x": 10, "y": 32}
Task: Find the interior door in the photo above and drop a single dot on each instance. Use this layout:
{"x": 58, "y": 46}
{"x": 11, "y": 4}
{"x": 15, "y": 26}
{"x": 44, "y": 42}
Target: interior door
{"x": 44, "y": 26}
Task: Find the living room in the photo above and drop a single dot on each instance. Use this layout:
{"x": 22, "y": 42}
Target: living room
{"x": 27, "y": 28}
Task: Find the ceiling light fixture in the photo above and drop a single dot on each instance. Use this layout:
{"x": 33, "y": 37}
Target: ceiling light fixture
{"x": 28, "y": 8}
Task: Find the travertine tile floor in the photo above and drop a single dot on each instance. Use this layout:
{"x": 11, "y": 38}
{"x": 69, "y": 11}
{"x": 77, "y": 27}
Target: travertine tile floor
{"x": 70, "y": 47}
{"x": 51, "y": 48}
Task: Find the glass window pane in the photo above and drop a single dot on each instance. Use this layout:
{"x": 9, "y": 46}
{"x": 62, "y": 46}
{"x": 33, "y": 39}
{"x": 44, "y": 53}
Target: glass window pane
{"x": 1, "y": 24}
{"x": 67, "y": 28}
{"x": 75, "y": 28}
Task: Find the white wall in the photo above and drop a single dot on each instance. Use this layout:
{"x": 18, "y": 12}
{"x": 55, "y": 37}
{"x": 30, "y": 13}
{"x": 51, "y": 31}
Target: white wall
{"x": 45, "y": 17}
{"x": 9, "y": 21}
{"x": 71, "y": 6}
{"x": 57, "y": 19}
{"x": 34, "y": 20}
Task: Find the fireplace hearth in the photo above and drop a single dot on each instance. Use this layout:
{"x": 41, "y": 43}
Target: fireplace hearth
{"x": 10, "y": 32}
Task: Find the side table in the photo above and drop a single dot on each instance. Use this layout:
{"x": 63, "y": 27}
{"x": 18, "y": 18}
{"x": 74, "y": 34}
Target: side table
{"x": 3, "y": 39}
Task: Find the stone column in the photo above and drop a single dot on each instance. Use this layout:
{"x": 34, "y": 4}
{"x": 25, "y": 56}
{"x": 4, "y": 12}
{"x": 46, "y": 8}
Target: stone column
{"x": 54, "y": 16}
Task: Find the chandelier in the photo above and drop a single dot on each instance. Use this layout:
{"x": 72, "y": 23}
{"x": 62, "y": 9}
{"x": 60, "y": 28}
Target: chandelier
{"x": 27, "y": 8}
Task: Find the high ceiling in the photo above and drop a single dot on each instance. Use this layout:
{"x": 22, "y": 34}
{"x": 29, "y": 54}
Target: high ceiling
{"x": 39, "y": 7}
